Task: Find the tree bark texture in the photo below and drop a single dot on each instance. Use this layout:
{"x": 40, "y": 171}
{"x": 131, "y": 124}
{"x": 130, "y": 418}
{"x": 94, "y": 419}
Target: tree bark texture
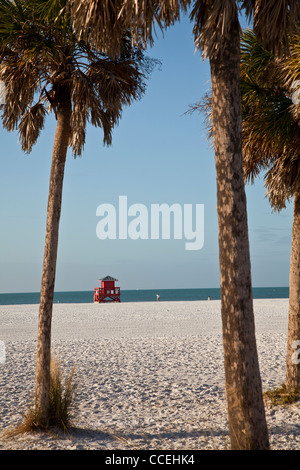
{"x": 293, "y": 342}
{"x": 50, "y": 255}
{"x": 246, "y": 412}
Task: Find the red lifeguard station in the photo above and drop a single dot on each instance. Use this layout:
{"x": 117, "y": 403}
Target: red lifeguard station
{"x": 108, "y": 292}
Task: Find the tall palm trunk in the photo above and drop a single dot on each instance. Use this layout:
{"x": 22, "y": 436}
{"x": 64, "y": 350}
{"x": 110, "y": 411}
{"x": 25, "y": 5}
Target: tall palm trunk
{"x": 293, "y": 342}
{"x": 60, "y": 148}
{"x": 246, "y": 413}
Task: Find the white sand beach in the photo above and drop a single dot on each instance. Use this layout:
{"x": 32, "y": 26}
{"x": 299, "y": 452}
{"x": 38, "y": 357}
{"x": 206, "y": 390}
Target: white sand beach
{"x": 150, "y": 375}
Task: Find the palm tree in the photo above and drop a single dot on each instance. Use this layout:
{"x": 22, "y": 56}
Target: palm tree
{"x": 44, "y": 67}
{"x": 217, "y": 35}
{"x": 271, "y": 141}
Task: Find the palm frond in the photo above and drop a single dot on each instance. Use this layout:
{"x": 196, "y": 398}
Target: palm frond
{"x": 213, "y": 20}
{"x": 20, "y": 83}
{"x": 31, "y": 124}
{"x": 291, "y": 66}
{"x": 274, "y": 21}
{"x": 78, "y": 129}
{"x": 103, "y": 22}
{"x": 271, "y": 134}
{"x": 255, "y": 58}
{"x": 117, "y": 82}
{"x": 204, "y": 107}
{"x": 247, "y": 6}
{"x": 282, "y": 180}
{"x": 13, "y": 15}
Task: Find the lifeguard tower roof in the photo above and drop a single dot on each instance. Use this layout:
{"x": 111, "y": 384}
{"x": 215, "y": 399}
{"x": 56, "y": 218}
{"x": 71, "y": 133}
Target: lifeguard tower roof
{"x": 107, "y": 278}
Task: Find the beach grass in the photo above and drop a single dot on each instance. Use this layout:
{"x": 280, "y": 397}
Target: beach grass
{"x": 280, "y": 396}
{"x": 61, "y": 406}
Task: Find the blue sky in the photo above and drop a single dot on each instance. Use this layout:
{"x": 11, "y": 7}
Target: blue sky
{"x": 158, "y": 155}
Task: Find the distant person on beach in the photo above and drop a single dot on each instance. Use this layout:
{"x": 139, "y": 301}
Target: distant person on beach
{"x": 157, "y": 297}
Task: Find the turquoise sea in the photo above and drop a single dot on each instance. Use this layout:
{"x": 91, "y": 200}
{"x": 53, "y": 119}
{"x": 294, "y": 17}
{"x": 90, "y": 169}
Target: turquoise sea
{"x": 147, "y": 295}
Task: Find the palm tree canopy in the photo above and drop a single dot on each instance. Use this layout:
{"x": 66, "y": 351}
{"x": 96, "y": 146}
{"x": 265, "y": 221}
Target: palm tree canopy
{"x": 270, "y": 119}
{"x": 274, "y": 21}
{"x": 271, "y": 133}
{"x": 103, "y": 21}
{"x": 41, "y": 59}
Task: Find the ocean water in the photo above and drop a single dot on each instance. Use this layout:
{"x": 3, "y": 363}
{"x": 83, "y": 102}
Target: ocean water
{"x": 147, "y": 295}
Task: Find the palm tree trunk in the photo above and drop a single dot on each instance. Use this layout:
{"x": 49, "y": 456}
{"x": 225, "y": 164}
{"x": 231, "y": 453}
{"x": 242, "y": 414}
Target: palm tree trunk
{"x": 246, "y": 413}
{"x": 50, "y": 254}
{"x": 293, "y": 342}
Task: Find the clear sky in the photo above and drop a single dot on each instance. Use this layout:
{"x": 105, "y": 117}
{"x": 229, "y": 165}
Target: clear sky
{"x": 159, "y": 155}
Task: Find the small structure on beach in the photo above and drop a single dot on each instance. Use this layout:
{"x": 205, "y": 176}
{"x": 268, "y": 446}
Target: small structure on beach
{"x": 108, "y": 292}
